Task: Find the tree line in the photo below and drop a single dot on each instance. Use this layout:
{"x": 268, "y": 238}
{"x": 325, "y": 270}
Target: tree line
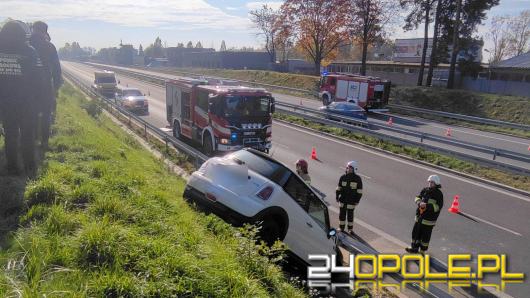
{"x": 320, "y": 28}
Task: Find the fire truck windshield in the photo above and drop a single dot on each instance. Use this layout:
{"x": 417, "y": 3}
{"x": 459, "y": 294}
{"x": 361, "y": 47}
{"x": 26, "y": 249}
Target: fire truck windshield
{"x": 244, "y": 106}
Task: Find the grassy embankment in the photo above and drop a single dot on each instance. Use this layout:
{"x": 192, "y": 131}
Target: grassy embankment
{"x": 517, "y": 181}
{"x": 506, "y": 108}
{"x": 104, "y": 219}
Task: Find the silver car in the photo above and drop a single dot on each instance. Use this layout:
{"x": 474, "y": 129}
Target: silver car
{"x": 132, "y": 99}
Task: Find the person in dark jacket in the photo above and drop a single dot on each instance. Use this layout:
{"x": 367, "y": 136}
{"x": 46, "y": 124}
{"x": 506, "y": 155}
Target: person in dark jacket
{"x": 348, "y": 194}
{"x": 20, "y": 72}
{"x": 52, "y": 80}
{"x": 429, "y": 203}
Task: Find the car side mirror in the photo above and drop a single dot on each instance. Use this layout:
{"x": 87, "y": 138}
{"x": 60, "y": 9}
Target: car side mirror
{"x": 332, "y": 233}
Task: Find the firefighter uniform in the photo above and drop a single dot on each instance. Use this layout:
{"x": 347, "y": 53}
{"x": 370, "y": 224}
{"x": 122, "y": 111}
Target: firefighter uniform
{"x": 348, "y": 194}
{"x": 51, "y": 80}
{"x": 20, "y": 71}
{"x": 425, "y": 219}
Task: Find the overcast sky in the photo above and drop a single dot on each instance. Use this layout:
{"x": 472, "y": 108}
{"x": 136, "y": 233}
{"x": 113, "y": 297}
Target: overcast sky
{"x": 103, "y": 23}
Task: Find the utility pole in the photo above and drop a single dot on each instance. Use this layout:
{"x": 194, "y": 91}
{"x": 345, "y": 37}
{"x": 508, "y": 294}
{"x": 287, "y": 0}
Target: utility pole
{"x": 454, "y": 54}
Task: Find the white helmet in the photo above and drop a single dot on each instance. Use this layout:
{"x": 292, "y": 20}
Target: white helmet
{"x": 352, "y": 164}
{"x": 434, "y": 178}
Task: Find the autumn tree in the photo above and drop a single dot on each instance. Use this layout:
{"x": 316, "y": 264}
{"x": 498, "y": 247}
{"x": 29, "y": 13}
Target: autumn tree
{"x": 369, "y": 22}
{"x": 499, "y": 36}
{"x": 519, "y": 29}
{"x": 266, "y": 20}
{"x": 189, "y": 45}
{"x": 319, "y": 26}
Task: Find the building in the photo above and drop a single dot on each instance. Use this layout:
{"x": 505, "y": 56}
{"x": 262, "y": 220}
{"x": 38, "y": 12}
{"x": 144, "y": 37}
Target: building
{"x": 509, "y": 77}
{"x": 410, "y": 50}
{"x": 227, "y": 60}
{"x": 175, "y": 55}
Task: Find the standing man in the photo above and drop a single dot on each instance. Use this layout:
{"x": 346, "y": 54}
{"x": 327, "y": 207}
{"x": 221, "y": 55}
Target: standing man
{"x": 430, "y": 202}
{"x": 20, "y": 70}
{"x": 348, "y": 194}
{"x": 52, "y": 80}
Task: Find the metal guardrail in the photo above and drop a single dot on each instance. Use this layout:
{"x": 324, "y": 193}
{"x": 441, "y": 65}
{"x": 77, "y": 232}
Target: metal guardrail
{"x": 462, "y": 117}
{"x": 111, "y": 106}
{"x": 364, "y": 127}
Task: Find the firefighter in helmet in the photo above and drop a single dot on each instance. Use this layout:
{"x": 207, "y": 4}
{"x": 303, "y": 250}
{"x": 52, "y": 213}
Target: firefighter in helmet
{"x": 429, "y": 203}
{"x": 348, "y": 194}
{"x": 302, "y": 170}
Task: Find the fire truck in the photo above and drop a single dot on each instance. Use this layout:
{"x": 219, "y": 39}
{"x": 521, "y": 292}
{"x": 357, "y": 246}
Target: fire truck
{"x": 218, "y": 117}
{"x": 369, "y": 93}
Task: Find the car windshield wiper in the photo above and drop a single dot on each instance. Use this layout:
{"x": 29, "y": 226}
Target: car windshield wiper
{"x": 238, "y": 161}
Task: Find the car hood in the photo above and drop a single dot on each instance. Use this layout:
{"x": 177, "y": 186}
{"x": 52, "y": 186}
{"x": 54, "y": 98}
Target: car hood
{"x": 234, "y": 177}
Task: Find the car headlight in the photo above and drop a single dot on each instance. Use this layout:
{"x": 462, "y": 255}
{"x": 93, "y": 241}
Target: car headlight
{"x": 268, "y": 139}
{"x": 224, "y": 141}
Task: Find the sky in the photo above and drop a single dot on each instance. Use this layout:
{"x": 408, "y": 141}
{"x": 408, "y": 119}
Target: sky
{"x": 105, "y": 23}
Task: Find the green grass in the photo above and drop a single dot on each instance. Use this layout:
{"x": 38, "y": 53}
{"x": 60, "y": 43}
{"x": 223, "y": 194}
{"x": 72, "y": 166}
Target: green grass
{"x": 517, "y": 181}
{"x": 104, "y": 218}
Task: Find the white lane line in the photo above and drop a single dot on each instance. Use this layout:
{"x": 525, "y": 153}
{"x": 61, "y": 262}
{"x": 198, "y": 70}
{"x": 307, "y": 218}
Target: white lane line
{"x": 360, "y": 174}
{"x": 491, "y": 224}
{"x": 280, "y": 145}
{"x": 520, "y": 197}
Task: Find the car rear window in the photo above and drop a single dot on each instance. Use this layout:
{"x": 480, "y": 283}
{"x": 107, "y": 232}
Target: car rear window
{"x": 267, "y": 168}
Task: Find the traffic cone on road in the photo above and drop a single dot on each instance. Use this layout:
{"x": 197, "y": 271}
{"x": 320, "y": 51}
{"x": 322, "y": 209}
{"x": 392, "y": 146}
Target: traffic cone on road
{"x": 455, "y": 207}
{"x": 390, "y": 122}
{"x": 448, "y": 132}
{"x": 528, "y": 147}
{"x": 314, "y": 154}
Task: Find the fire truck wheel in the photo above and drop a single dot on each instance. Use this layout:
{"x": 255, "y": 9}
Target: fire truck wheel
{"x": 207, "y": 146}
{"x": 325, "y": 99}
{"x": 176, "y": 130}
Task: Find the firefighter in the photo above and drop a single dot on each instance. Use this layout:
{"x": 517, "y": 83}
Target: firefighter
{"x": 429, "y": 203}
{"x": 348, "y": 194}
{"x": 19, "y": 77}
{"x": 52, "y": 80}
{"x": 302, "y": 170}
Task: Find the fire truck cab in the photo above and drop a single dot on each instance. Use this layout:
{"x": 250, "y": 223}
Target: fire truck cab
{"x": 368, "y": 92}
{"x": 219, "y": 117}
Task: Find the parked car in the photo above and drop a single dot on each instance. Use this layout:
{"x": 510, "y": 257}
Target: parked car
{"x": 132, "y": 99}
{"x": 344, "y": 109}
{"x": 248, "y": 186}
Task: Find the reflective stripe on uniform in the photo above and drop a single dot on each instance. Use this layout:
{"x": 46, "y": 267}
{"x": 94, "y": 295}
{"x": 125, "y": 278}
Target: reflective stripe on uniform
{"x": 417, "y": 199}
{"x": 428, "y": 222}
{"x": 360, "y": 191}
{"x": 339, "y": 188}
{"x": 344, "y": 183}
{"x": 425, "y": 244}
{"x": 341, "y": 205}
{"x": 353, "y": 185}
{"x": 434, "y": 204}
{"x": 350, "y": 206}
{"x": 342, "y": 222}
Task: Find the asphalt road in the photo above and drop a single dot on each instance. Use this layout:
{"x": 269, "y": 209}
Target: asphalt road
{"x": 493, "y": 140}
{"x": 499, "y": 222}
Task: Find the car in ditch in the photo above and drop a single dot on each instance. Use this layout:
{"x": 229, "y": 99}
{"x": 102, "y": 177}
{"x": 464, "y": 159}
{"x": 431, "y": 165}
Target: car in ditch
{"x": 248, "y": 186}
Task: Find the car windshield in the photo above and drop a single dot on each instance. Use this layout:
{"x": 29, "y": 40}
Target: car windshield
{"x": 265, "y": 167}
{"x": 106, "y": 80}
{"x": 244, "y": 106}
{"x": 132, "y": 93}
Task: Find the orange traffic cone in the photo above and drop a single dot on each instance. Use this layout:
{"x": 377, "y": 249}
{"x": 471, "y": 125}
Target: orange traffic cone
{"x": 455, "y": 207}
{"x": 390, "y": 122}
{"x": 314, "y": 154}
{"x": 528, "y": 147}
{"x": 448, "y": 132}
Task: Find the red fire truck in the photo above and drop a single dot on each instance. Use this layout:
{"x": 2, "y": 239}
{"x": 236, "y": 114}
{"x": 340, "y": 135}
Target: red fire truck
{"x": 220, "y": 118}
{"x": 368, "y": 92}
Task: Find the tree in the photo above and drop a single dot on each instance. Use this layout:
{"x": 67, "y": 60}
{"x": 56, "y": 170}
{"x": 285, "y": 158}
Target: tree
{"x": 454, "y": 52}
{"x": 267, "y": 21}
{"x": 155, "y": 50}
{"x": 223, "y": 46}
{"x": 180, "y": 45}
{"x": 189, "y": 45}
{"x": 500, "y": 37}
{"x": 420, "y": 12}
{"x": 284, "y": 41}
{"x": 519, "y": 28}
{"x": 140, "y": 50}
{"x": 198, "y": 45}
{"x": 320, "y": 26}
{"x": 434, "y": 50}
{"x": 368, "y": 22}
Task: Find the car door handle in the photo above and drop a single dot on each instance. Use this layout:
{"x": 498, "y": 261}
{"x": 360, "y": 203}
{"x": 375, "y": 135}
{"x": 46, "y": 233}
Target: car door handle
{"x": 309, "y": 224}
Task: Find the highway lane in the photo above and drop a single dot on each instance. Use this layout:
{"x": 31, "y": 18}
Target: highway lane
{"x": 519, "y": 145}
{"x": 391, "y": 183}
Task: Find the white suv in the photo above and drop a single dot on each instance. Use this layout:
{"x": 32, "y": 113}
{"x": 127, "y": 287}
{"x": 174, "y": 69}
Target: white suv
{"x": 248, "y": 186}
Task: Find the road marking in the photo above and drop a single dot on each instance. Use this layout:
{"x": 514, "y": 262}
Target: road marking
{"x": 358, "y": 147}
{"x": 280, "y": 145}
{"x": 491, "y": 224}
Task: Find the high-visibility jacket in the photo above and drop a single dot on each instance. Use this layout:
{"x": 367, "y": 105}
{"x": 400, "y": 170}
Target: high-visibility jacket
{"x": 433, "y": 197}
{"x": 349, "y": 189}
